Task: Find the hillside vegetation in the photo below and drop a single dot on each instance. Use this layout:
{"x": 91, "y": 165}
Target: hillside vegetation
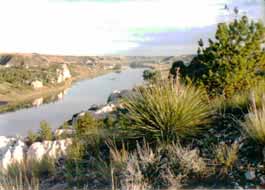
{"x": 202, "y": 127}
{"x": 24, "y": 77}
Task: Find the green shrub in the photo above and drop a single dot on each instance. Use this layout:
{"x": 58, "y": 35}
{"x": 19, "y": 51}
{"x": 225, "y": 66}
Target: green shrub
{"x": 32, "y": 137}
{"x": 65, "y": 125}
{"x": 74, "y": 165}
{"x": 45, "y": 132}
{"x": 87, "y": 125}
{"x": 151, "y": 75}
{"x": 86, "y": 144}
{"x": 234, "y": 61}
{"x": 75, "y": 151}
{"x": 20, "y": 76}
{"x": 167, "y": 112}
{"x": 44, "y": 168}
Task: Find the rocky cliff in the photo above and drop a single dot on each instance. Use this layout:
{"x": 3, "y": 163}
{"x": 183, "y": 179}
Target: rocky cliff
{"x": 16, "y": 149}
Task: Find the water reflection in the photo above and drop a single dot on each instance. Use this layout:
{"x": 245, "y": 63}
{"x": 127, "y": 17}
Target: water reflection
{"x": 62, "y": 94}
{"x": 61, "y": 106}
{"x": 50, "y": 99}
{"x": 40, "y": 101}
{"x": 37, "y": 102}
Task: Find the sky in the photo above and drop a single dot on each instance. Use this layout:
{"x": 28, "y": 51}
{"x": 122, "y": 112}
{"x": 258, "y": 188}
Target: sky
{"x": 114, "y": 27}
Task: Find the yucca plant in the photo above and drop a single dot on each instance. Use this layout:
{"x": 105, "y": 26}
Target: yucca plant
{"x": 254, "y": 124}
{"x": 166, "y": 111}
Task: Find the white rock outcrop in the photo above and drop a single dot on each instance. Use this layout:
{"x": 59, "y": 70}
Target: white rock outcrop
{"x": 12, "y": 150}
{"x": 106, "y": 109}
{"x": 63, "y": 74}
{"x": 116, "y": 95}
{"x": 36, "y": 84}
{"x": 52, "y": 149}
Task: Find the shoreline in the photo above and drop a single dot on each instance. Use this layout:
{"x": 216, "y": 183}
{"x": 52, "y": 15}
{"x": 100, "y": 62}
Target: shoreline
{"x": 17, "y": 102}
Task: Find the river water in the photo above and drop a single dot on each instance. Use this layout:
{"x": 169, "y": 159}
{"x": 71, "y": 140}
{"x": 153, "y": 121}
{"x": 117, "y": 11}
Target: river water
{"x": 79, "y": 97}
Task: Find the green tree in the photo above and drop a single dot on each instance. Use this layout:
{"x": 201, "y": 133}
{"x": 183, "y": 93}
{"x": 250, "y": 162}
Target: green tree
{"x": 45, "y": 132}
{"x": 231, "y": 62}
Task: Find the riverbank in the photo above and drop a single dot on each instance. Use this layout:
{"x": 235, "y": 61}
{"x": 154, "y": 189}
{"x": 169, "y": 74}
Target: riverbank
{"x": 60, "y": 107}
{"x": 19, "y": 97}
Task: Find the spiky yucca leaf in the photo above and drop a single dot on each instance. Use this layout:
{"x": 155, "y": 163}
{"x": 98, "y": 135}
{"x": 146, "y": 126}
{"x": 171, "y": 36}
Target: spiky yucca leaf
{"x": 165, "y": 111}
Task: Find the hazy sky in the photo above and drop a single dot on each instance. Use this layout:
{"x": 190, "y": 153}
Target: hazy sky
{"x": 120, "y": 27}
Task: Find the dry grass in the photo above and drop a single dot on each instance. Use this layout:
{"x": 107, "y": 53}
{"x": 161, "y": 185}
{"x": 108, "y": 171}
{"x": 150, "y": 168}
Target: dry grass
{"x": 254, "y": 124}
{"x": 188, "y": 159}
{"x": 226, "y": 157}
{"x": 27, "y": 175}
{"x": 162, "y": 167}
{"x": 18, "y": 184}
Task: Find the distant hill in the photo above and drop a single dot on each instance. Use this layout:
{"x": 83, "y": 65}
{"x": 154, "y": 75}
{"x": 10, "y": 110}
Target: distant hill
{"x": 40, "y": 60}
{"x": 35, "y": 59}
{"x": 172, "y": 59}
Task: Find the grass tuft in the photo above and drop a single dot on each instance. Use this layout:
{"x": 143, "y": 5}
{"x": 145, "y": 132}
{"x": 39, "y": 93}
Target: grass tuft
{"x": 254, "y": 124}
{"x": 166, "y": 112}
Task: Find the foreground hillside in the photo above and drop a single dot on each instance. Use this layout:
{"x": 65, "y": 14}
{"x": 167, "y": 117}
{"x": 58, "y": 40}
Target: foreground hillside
{"x": 202, "y": 127}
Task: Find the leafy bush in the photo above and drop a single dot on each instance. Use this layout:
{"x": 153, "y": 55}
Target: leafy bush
{"x": 44, "y": 168}
{"x": 32, "y": 137}
{"x": 20, "y": 76}
{"x": 233, "y": 61}
{"x": 74, "y": 165}
{"x": 87, "y": 125}
{"x": 75, "y": 151}
{"x": 86, "y": 145}
{"x": 167, "y": 112}
{"x": 151, "y": 75}
{"x": 45, "y": 132}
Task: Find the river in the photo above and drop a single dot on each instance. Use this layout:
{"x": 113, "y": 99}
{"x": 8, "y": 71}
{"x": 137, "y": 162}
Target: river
{"x": 79, "y": 97}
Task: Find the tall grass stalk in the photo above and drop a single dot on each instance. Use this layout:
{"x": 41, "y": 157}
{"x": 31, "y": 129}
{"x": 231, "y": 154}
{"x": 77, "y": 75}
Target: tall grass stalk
{"x": 18, "y": 177}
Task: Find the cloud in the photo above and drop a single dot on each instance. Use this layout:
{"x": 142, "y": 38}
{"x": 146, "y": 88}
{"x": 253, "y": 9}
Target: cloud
{"x": 97, "y": 27}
